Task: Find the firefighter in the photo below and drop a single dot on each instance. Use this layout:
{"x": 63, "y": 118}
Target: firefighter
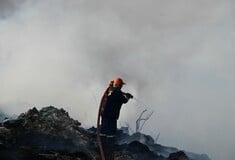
{"x": 111, "y": 107}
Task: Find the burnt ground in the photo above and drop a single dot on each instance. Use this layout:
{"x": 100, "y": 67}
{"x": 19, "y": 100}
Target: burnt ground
{"x": 51, "y": 134}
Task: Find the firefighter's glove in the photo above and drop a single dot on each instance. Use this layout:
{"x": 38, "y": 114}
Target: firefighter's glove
{"x": 111, "y": 84}
{"x": 128, "y": 95}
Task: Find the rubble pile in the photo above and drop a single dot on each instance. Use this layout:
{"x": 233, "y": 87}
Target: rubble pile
{"x": 44, "y": 132}
{"x": 55, "y": 123}
{"x": 50, "y": 134}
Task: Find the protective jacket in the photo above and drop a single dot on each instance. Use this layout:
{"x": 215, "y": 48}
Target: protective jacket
{"x": 112, "y": 106}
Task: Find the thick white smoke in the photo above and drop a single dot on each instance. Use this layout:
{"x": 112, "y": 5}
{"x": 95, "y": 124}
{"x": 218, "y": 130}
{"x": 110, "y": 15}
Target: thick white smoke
{"x": 177, "y": 57}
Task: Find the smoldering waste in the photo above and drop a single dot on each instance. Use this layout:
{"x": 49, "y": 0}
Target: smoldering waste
{"x": 51, "y": 134}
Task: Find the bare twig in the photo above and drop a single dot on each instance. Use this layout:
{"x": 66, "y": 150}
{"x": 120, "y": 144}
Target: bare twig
{"x": 139, "y": 127}
{"x": 145, "y": 119}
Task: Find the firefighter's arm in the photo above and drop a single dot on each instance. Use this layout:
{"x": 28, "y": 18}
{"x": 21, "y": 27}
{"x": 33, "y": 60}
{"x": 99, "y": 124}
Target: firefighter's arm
{"x": 127, "y": 96}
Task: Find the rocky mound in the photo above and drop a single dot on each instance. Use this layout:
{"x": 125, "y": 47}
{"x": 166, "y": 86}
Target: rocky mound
{"x": 50, "y": 134}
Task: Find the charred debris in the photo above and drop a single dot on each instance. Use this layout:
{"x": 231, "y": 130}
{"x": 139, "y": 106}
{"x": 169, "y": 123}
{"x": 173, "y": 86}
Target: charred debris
{"x": 51, "y": 134}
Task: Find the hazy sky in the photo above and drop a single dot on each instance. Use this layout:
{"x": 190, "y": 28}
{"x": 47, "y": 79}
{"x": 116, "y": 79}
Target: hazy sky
{"x": 175, "y": 56}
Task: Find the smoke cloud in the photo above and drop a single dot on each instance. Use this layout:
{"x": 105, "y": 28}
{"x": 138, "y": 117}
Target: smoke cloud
{"x": 176, "y": 57}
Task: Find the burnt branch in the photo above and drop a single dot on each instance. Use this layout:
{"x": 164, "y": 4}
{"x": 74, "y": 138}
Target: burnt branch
{"x": 140, "y": 122}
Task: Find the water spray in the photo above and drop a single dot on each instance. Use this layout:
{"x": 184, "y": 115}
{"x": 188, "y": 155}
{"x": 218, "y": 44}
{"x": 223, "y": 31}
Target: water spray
{"x": 142, "y": 103}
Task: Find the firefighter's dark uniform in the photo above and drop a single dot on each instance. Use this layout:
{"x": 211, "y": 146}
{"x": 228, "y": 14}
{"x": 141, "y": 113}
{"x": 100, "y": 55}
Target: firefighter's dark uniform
{"x": 111, "y": 111}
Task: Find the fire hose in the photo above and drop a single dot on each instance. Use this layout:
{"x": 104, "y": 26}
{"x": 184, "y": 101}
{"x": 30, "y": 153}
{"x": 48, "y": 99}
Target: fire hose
{"x": 102, "y": 102}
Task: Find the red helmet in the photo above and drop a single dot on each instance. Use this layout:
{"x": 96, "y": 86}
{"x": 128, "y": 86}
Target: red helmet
{"x": 118, "y": 82}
